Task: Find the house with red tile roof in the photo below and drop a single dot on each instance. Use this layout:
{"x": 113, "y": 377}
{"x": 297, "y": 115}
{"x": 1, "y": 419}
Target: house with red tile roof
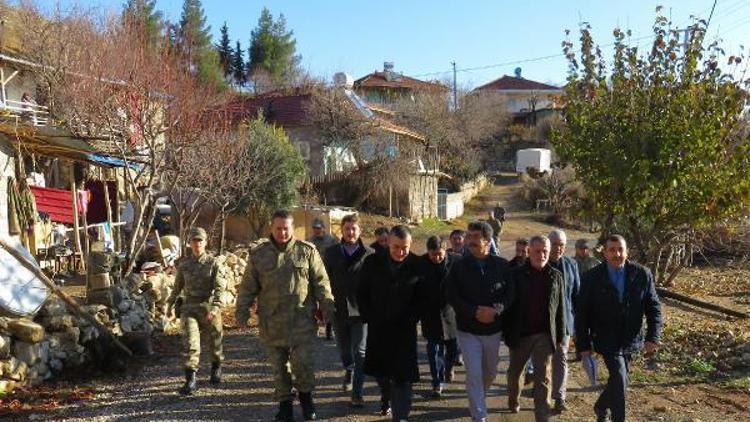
{"x": 388, "y": 86}
{"x": 522, "y": 95}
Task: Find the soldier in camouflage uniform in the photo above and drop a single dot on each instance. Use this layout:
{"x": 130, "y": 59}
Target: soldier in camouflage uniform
{"x": 200, "y": 281}
{"x": 289, "y": 280}
{"x": 583, "y": 257}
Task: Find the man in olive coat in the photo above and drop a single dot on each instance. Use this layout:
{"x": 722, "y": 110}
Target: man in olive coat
{"x": 289, "y": 280}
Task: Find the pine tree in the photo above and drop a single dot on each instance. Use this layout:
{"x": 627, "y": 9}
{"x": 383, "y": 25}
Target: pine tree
{"x": 142, "y": 16}
{"x": 238, "y": 66}
{"x": 225, "y": 51}
{"x": 194, "y": 43}
{"x": 272, "y": 50}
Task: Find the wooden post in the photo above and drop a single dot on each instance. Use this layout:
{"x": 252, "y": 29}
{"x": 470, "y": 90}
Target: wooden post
{"x": 76, "y": 234}
{"x": 390, "y": 200}
{"x": 109, "y": 211}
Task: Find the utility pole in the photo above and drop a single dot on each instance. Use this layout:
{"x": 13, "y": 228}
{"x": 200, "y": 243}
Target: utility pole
{"x": 455, "y": 88}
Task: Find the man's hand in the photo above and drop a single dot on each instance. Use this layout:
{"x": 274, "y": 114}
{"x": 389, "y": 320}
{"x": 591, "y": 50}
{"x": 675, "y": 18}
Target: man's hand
{"x": 169, "y": 314}
{"x": 210, "y": 316}
{"x": 485, "y": 314}
{"x": 650, "y": 347}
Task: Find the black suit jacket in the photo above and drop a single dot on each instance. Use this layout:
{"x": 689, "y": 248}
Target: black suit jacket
{"x": 611, "y": 326}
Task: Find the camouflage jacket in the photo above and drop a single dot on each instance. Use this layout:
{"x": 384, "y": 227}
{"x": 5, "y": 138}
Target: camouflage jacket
{"x": 586, "y": 263}
{"x": 323, "y": 242}
{"x": 200, "y": 281}
{"x": 289, "y": 282}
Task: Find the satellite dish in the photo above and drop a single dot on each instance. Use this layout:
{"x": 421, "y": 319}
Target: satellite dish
{"x": 343, "y": 80}
{"x": 517, "y": 72}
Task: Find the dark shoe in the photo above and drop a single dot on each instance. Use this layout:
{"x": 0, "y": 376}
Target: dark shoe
{"x": 436, "y": 393}
{"x": 560, "y": 405}
{"x": 385, "y": 408}
{"x": 286, "y": 412}
{"x": 347, "y": 384}
{"x": 189, "y": 386}
{"x": 513, "y": 406}
{"x": 449, "y": 375}
{"x": 601, "y": 415}
{"x": 215, "y": 373}
{"x": 357, "y": 402}
{"x": 459, "y": 361}
{"x": 308, "y": 408}
{"x": 329, "y": 331}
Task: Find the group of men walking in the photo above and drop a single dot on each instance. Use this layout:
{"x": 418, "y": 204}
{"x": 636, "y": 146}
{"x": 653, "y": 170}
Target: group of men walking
{"x": 466, "y": 298}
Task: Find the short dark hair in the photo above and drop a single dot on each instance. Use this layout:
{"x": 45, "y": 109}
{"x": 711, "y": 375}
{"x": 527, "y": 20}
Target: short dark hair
{"x": 481, "y": 226}
{"x": 615, "y": 238}
{"x": 350, "y": 218}
{"x": 457, "y": 232}
{"x": 435, "y": 242}
{"x": 284, "y": 214}
{"x": 401, "y": 231}
{"x": 522, "y": 241}
{"x": 381, "y": 231}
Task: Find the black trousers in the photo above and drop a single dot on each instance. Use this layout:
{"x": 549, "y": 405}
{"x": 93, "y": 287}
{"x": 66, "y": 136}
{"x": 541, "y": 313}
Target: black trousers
{"x": 613, "y": 396}
{"x": 399, "y": 394}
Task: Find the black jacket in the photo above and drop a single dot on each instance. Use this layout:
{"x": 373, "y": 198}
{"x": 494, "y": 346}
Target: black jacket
{"x": 519, "y": 281}
{"x": 389, "y": 303}
{"x": 611, "y": 325}
{"x": 468, "y": 287}
{"x": 436, "y": 317}
{"x": 343, "y": 271}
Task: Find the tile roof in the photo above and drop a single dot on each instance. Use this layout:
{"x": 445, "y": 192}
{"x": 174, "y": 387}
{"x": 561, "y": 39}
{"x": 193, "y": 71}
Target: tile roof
{"x": 514, "y": 83}
{"x": 379, "y": 80}
{"x": 289, "y": 110}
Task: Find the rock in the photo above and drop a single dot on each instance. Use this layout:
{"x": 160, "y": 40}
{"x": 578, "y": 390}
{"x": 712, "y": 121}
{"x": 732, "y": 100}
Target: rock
{"x": 54, "y": 307}
{"x": 88, "y": 333}
{"x": 61, "y": 322}
{"x": 7, "y": 386}
{"x": 14, "y": 369}
{"x": 67, "y": 338}
{"x": 56, "y": 365}
{"x": 27, "y": 352}
{"x": 125, "y": 305}
{"x": 4, "y": 325}
{"x": 26, "y": 330}
{"x": 4, "y": 347}
{"x": 660, "y": 409}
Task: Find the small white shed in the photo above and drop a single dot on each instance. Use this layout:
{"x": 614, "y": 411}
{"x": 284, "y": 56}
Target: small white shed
{"x": 536, "y": 158}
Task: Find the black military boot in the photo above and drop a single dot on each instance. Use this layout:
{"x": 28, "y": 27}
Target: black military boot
{"x": 286, "y": 412}
{"x": 215, "y": 373}
{"x": 189, "y": 386}
{"x": 308, "y": 408}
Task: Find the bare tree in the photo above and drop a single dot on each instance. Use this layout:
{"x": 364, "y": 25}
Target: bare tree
{"x": 106, "y": 84}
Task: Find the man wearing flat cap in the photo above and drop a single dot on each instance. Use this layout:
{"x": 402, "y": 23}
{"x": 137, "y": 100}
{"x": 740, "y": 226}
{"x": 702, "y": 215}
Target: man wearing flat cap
{"x": 200, "y": 282}
{"x": 583, "y": 256}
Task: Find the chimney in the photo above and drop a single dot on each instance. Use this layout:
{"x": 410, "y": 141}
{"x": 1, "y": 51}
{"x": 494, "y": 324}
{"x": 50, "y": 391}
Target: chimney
{"x": 518, "y": 72}
{"x": 388, "y": 67}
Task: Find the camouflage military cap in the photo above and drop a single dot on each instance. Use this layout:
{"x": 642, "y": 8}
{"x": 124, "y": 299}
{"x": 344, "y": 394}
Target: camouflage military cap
{"x": 197, "y": 233}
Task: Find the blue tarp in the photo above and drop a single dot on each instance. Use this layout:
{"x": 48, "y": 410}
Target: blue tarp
{"x": 112, "y": 161}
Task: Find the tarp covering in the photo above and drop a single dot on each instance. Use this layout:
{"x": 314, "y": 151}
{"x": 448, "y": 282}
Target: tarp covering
{"x": 21, "y": 292}
{"x": 58, "y": 203}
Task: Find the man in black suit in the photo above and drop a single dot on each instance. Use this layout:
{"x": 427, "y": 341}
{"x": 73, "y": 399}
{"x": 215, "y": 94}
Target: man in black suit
{"x": 614, "y": 298}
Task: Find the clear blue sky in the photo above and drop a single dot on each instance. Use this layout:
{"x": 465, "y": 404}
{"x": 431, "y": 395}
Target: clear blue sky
{"x": 423, "y": 37}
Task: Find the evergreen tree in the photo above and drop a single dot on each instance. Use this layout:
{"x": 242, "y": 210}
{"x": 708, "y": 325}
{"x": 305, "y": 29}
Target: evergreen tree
{"x": 238, "y": 66}
{"x": 194, "y": 43}
{"x": 225, "y": 51}
{"x": 142, "y": 16}
{"x": 272, "y": 50}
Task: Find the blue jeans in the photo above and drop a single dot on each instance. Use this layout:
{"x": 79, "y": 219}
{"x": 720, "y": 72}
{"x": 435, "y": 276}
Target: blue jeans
{"x": 613, "y": 396}
{"x": 436, "y": 359}
{"x": 351, "y": 338}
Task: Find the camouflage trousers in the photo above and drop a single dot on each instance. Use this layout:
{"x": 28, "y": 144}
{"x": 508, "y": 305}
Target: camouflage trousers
{"x": 291, "y": 361}
{"x": 194, "y": 322}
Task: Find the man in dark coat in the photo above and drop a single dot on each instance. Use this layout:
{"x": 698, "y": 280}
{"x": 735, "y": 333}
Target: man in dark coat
{"x": 381, "y": 240}
{"x": 343, "y": 263}
{"x": 522, "y": 253}
{"x": 535, "y": 325}
{"x": 388, "y": 298}
{"x": 436, "y": 316}
{"x": 615, "y": 296}
{"x": 477, "y": 290}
